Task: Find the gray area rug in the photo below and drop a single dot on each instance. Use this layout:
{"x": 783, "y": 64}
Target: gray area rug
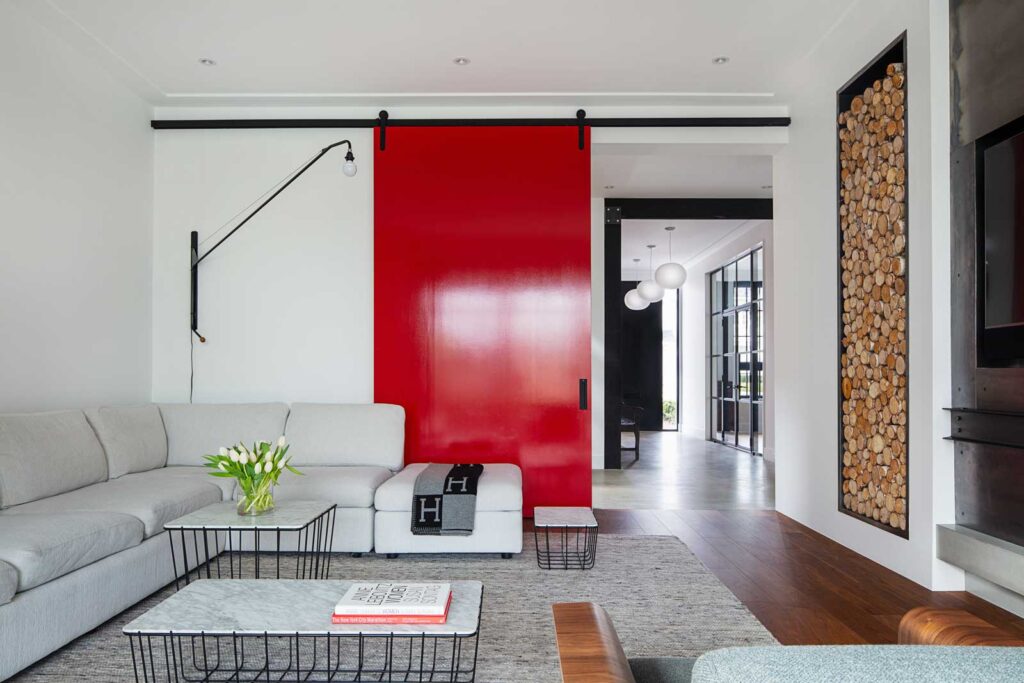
{"x": 663, "y": 601}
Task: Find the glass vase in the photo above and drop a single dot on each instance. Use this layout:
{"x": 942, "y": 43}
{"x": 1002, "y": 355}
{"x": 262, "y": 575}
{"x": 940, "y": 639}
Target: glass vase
{"x": 257, "y": 501}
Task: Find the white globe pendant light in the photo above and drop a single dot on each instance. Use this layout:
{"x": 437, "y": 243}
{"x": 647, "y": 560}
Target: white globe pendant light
{"x": 650, "y": 289}
{"x": 670, "y": 275}
{"x": 635, "y": 302}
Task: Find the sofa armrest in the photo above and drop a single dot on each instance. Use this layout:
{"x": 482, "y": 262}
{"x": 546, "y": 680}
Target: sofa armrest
{"x": 930, "y": 626}
{"x": 588, "y": 646}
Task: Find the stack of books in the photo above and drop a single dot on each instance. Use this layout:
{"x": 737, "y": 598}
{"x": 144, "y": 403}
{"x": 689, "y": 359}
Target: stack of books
{"x": 394, "y": 603}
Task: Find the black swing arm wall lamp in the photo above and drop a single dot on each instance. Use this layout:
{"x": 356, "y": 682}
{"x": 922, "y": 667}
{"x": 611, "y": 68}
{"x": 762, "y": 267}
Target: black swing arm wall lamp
{"x": 348, "y": 168}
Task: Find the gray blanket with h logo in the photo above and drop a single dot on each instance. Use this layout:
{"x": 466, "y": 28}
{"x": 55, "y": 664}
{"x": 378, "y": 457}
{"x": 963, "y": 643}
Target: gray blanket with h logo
{"x": 444, "y": 500}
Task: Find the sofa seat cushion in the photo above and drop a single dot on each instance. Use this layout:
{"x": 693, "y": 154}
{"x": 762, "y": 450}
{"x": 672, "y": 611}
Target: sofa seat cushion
{"x": 133, "y": 438}
{"x": 834, "y": 663}
{"x": 44, "y": 546}
{"x": 348, "y": 487}
{"x": 155, "y": 497}
{"x": 43, "y": 454}
{"x": 661, "y": 669}
{"x": 346, "y": 434}
{"x": 195, "y": 430}
{"x": 500, "y": 489}
{"x": 201, "y": 475}
{"x": 8, "y": 582}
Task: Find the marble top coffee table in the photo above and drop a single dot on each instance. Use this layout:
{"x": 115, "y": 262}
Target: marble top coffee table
{"x": 217, "y": 542}
{"x": 566, "y": 537}
{"x": 246, "y": 629}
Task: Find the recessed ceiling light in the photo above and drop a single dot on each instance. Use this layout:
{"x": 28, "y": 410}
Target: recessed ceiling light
{"x": 720, "y": 60}
{"x": 206, "y": 61}
{"x": 461, "y": 61}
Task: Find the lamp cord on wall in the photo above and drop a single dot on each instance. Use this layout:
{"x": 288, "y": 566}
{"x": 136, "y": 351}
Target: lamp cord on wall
{"x": 191, "y": 364}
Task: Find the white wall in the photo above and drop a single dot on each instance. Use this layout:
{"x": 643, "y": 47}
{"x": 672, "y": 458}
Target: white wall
{"x": 693, "y": 369}
{"x": 286, "y": 304}
{"x": 805, "y": 287}
{"x": 75, "y": 205}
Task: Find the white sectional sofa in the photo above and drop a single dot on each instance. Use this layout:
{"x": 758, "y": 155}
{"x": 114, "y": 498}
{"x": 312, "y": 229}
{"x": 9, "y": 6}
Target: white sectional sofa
{"x": 84, "y": 496}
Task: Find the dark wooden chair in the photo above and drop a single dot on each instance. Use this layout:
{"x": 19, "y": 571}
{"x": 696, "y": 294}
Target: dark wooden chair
{"x": 630, "y": 422}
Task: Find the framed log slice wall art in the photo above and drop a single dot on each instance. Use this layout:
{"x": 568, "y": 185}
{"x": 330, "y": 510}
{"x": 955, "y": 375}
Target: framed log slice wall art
{"x": 873, "y": 340}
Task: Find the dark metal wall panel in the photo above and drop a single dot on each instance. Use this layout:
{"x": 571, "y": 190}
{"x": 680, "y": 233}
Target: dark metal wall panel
{"x": 990, "y": 490}
{"x": 612, "y": 337}
{"x": 987, "y": 54}
{"x": 987, "y": 88}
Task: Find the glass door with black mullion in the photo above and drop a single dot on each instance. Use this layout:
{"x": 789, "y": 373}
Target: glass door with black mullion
{"x": 736, "y": 353}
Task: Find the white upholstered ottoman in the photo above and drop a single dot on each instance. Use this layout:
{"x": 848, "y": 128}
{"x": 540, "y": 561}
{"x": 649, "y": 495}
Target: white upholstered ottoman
{"x": 499, "y": 515}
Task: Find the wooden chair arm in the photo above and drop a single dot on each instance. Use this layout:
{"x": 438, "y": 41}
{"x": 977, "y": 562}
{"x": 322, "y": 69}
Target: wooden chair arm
{"x": 930, "y": 626}
{"x": 588, "y": 646}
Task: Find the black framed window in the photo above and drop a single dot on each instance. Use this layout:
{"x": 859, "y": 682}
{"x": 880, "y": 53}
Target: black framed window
{"x": 736, "y": 355}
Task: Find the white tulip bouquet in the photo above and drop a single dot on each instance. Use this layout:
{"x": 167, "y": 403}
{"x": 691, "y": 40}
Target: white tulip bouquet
{"x": 256, "y": 469}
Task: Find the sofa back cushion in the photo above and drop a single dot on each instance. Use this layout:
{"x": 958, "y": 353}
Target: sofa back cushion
{"x": 195, "y": 429}
{"x": 347, "y": 434}
{"x": 133, "y": 438}
{"x": 43, "y": 454}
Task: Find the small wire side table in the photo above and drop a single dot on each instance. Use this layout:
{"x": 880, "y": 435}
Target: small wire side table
{"x": 216, "y": 542}
{"x": 566, "y": 537}
{"x": 237, "y": 630}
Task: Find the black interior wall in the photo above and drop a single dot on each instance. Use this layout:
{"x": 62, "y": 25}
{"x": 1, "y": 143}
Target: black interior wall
{"x": 641, "y": 361}
{"x": 987, "y": 80}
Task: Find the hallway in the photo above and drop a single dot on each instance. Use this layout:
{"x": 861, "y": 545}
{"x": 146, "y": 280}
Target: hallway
{"x": 679, "y": 472}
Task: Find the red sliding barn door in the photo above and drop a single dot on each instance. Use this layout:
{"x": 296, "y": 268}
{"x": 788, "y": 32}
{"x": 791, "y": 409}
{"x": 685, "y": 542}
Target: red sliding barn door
{"x": 482, "y": 299}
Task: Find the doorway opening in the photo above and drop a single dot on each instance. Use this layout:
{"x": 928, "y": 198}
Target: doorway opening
{"x": 638, "y": 348}
{"x": 659, "y": 357}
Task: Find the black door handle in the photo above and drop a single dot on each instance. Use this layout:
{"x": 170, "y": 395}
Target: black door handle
{"x": 583, "y": 394}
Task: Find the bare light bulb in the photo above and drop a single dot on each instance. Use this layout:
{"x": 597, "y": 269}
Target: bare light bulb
{"x": 349, "y": 167}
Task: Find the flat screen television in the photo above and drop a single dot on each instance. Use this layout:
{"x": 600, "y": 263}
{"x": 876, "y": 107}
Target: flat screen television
{"x": 1000, "y": 206}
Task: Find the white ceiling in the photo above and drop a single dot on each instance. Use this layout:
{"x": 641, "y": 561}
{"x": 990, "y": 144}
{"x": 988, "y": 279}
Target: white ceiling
{"x": 689, "y": 240}
{"x": 680, "y": 173}
{"x": 369, "y": 50}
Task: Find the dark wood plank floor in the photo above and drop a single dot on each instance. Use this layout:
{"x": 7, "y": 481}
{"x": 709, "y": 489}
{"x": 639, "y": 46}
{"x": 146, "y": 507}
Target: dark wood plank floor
{"x": 805, "y": 588}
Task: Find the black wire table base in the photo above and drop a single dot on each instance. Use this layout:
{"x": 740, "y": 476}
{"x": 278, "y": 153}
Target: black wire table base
{"x": 217, "y": 553}
{"x": 173, "y": 658}
{"x": 566, "y": 547}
